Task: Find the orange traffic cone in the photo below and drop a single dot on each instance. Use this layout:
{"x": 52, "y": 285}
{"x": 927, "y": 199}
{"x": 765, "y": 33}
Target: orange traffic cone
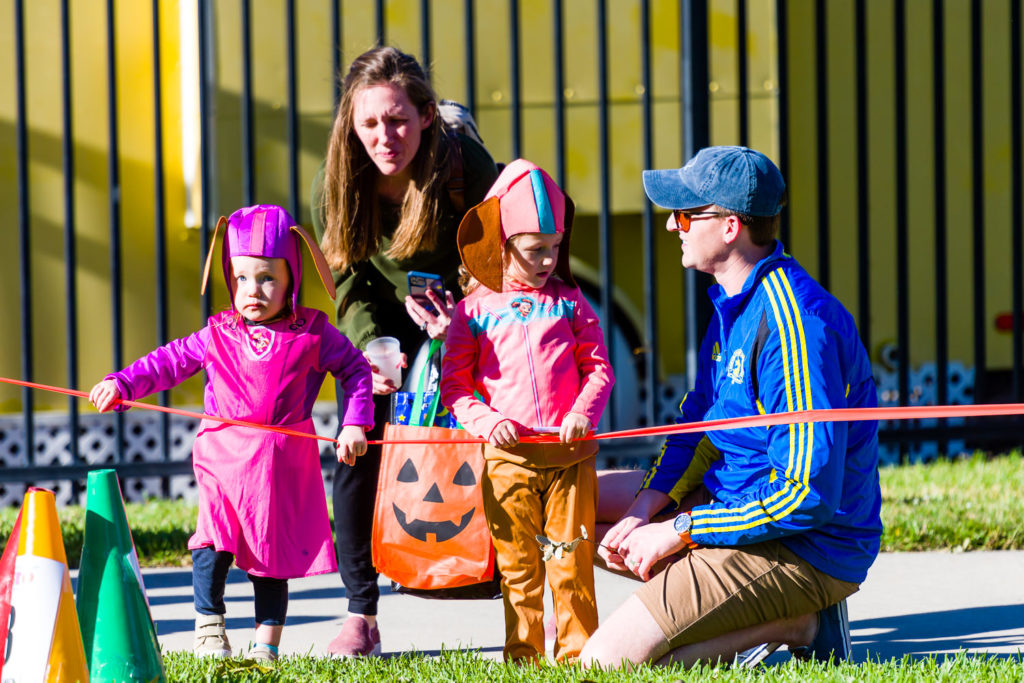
{"x": 44, "y": 642}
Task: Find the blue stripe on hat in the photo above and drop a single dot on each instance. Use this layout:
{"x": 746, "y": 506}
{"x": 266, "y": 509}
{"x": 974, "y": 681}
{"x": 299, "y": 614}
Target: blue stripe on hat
{"x": 545, "y": 216}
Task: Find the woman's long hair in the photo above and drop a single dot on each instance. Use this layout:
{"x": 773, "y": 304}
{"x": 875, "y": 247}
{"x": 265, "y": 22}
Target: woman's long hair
{"x": 351, "y": 208}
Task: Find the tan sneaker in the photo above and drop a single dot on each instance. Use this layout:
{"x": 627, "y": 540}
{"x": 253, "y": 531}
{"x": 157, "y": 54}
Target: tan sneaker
{"x": 262, "y": 653}
{"x": 211, "y": 636}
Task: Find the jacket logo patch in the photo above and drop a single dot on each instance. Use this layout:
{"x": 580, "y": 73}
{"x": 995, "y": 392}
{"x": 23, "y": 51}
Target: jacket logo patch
{"x": 736, "y": 364}
{"x": 523, "y": 306}
{"x": 259, "y": 342}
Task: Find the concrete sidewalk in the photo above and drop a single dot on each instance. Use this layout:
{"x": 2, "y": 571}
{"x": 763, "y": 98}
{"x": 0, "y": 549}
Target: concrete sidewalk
{"x": 912, "y": 603}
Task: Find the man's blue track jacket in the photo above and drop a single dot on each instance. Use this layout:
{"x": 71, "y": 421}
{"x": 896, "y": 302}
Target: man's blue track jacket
{"x": 783, "y": 344}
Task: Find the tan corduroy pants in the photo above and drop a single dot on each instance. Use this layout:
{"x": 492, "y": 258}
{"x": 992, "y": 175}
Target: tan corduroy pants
{"x": 521, "y": 502}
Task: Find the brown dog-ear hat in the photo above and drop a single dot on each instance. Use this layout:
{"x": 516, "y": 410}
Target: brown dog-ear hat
{"x": 524, "y": 198}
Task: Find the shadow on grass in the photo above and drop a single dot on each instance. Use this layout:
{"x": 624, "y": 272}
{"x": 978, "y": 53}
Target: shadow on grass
{"x": 438, "y": 653}
{"x": 174, "y": 587}
{"x": 168, "y": 626}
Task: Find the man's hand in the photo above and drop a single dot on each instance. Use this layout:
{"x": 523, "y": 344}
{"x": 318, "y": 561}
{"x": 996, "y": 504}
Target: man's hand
{"x": 648, "y": 544}
{"x": 609, "y": 550}
{"x": 504, "y": 435}
{"x": 574, "y": 426}
{"x": 646, "y": 504}
{"x": 351, "y": 444}
{"x": 105, "y": 395}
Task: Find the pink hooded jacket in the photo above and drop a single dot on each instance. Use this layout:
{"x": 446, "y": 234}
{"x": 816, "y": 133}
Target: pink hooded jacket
{"x": 533, "y": 355}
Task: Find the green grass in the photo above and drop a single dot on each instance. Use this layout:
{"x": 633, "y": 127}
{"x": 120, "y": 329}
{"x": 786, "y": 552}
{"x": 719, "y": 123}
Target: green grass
{"x": 160, "y": 529}
{"x": 458, "y": 666}
{"x": 963, "y": 504}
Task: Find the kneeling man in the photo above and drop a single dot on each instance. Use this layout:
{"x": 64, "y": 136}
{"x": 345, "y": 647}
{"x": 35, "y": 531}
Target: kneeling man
{"x": 775, "y": 526}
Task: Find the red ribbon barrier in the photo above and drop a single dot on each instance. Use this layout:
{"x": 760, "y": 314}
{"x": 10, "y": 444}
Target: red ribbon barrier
{"x": 172, "y": 411}
{"x": 820, "y": 415}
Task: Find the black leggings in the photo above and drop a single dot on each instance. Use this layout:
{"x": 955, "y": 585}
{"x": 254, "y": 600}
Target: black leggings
{"x": 210, "y": 574}
{"x": 355, "y": 489}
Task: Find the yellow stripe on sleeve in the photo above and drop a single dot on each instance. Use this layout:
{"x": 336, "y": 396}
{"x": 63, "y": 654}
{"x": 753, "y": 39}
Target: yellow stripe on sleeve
{"x": 807, "y": 386}
{"x": 793, "y": 346}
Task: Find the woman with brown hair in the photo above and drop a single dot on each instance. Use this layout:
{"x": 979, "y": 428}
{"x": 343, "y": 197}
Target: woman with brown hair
{"x": 388, "y": 200}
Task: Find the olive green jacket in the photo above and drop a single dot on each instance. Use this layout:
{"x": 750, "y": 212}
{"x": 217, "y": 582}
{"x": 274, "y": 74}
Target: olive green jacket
{"x": 373, "y": 292}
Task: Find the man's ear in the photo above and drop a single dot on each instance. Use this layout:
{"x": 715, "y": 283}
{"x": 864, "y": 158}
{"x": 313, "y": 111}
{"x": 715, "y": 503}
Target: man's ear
{"x": 731, "y": 229}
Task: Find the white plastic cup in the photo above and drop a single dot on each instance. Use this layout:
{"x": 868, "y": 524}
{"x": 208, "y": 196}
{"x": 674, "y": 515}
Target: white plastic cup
{"x": 386, "y": 354}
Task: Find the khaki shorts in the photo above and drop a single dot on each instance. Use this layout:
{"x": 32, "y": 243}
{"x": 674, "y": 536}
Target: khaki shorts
{"x": 712, "y": 591}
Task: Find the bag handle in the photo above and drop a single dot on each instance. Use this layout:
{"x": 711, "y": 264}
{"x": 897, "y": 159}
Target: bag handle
{"x": 415, "y": 420}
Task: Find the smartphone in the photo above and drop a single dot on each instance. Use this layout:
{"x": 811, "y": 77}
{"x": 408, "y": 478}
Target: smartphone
{"x": 419, "y": 283}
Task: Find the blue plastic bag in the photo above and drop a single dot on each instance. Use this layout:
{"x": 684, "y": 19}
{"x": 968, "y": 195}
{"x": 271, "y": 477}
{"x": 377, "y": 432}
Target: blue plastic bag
{"x": 422, "y": 408}
{"x": 403, "y": 407}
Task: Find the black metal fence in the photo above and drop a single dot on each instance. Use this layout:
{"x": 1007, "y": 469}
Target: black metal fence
{"x": 877, "y": 211}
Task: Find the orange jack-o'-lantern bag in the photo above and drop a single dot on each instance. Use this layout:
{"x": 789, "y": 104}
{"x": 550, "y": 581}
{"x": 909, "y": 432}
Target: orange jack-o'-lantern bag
{"x": 429, "y": 530}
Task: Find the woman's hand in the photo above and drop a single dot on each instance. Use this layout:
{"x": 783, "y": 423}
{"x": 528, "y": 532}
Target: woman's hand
{"x": 351, "y": 444}
{"x": 435, "y": 324}
{"x": 574, "y": 426}
{"x": 504, "y": 435}
{"x": 383, "y": 385}
{"x": 105, "y": 395}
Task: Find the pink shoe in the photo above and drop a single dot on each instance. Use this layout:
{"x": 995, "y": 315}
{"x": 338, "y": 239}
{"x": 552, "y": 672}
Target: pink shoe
{"x": 356, "y": 639}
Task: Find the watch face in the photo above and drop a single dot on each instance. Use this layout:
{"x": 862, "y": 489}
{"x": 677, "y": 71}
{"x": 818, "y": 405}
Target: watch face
{"x": 683, "y": 523}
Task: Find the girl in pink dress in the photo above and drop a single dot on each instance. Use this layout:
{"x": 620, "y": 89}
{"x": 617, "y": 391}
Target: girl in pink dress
{"x": 261, "y": 499}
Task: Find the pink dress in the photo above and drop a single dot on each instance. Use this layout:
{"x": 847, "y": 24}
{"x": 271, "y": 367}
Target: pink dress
{"x": 261, "y": 494}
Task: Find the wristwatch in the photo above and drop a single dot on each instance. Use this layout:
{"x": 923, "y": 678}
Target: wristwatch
{"x": 683, "y": 523}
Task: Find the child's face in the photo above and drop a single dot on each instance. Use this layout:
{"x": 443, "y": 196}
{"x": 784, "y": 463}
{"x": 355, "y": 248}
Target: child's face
{"x": 260, "y": 286}
{"x": 530, "y": 258}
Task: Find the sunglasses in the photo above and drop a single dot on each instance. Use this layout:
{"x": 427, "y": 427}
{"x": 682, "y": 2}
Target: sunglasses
{"x": 684, "y": 218}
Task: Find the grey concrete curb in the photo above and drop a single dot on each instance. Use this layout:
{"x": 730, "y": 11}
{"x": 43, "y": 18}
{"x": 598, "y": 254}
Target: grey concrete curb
{"x": 911, "y": 604}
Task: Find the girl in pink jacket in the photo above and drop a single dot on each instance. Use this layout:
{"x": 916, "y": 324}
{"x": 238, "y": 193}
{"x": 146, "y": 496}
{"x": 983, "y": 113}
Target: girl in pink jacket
{"x": 525, "y": 355}
{"x": 261, "y": 495}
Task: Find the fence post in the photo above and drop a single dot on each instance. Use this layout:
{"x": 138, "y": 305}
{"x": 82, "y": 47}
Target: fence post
{"x": 693, "y": 100}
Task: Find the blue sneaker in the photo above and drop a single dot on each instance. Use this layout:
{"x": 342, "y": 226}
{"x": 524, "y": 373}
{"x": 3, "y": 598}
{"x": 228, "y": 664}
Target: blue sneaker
{"x": 832, "y": 642}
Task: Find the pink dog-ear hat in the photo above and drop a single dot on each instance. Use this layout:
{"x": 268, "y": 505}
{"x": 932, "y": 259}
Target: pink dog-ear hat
{"x": 523, "y": 199}
{"x": 269, "y": 231}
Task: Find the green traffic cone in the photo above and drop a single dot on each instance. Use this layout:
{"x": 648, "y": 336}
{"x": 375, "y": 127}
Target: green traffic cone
{"x": 117, "y": 628}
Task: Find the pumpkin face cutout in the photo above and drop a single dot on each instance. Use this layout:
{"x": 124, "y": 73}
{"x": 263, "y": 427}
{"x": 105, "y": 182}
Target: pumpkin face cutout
{"x": 449, "y": 512}
{"x": 429, "y": 528}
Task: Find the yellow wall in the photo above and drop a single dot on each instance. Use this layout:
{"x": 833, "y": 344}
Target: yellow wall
{"x": 882, "y": 145}
{"x": 314, "y": 49}
{"x": 90, "y": 148}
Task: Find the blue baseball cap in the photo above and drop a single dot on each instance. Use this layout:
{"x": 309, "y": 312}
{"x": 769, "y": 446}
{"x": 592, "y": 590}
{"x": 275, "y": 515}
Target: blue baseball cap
{"x": 735, "y": 178}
